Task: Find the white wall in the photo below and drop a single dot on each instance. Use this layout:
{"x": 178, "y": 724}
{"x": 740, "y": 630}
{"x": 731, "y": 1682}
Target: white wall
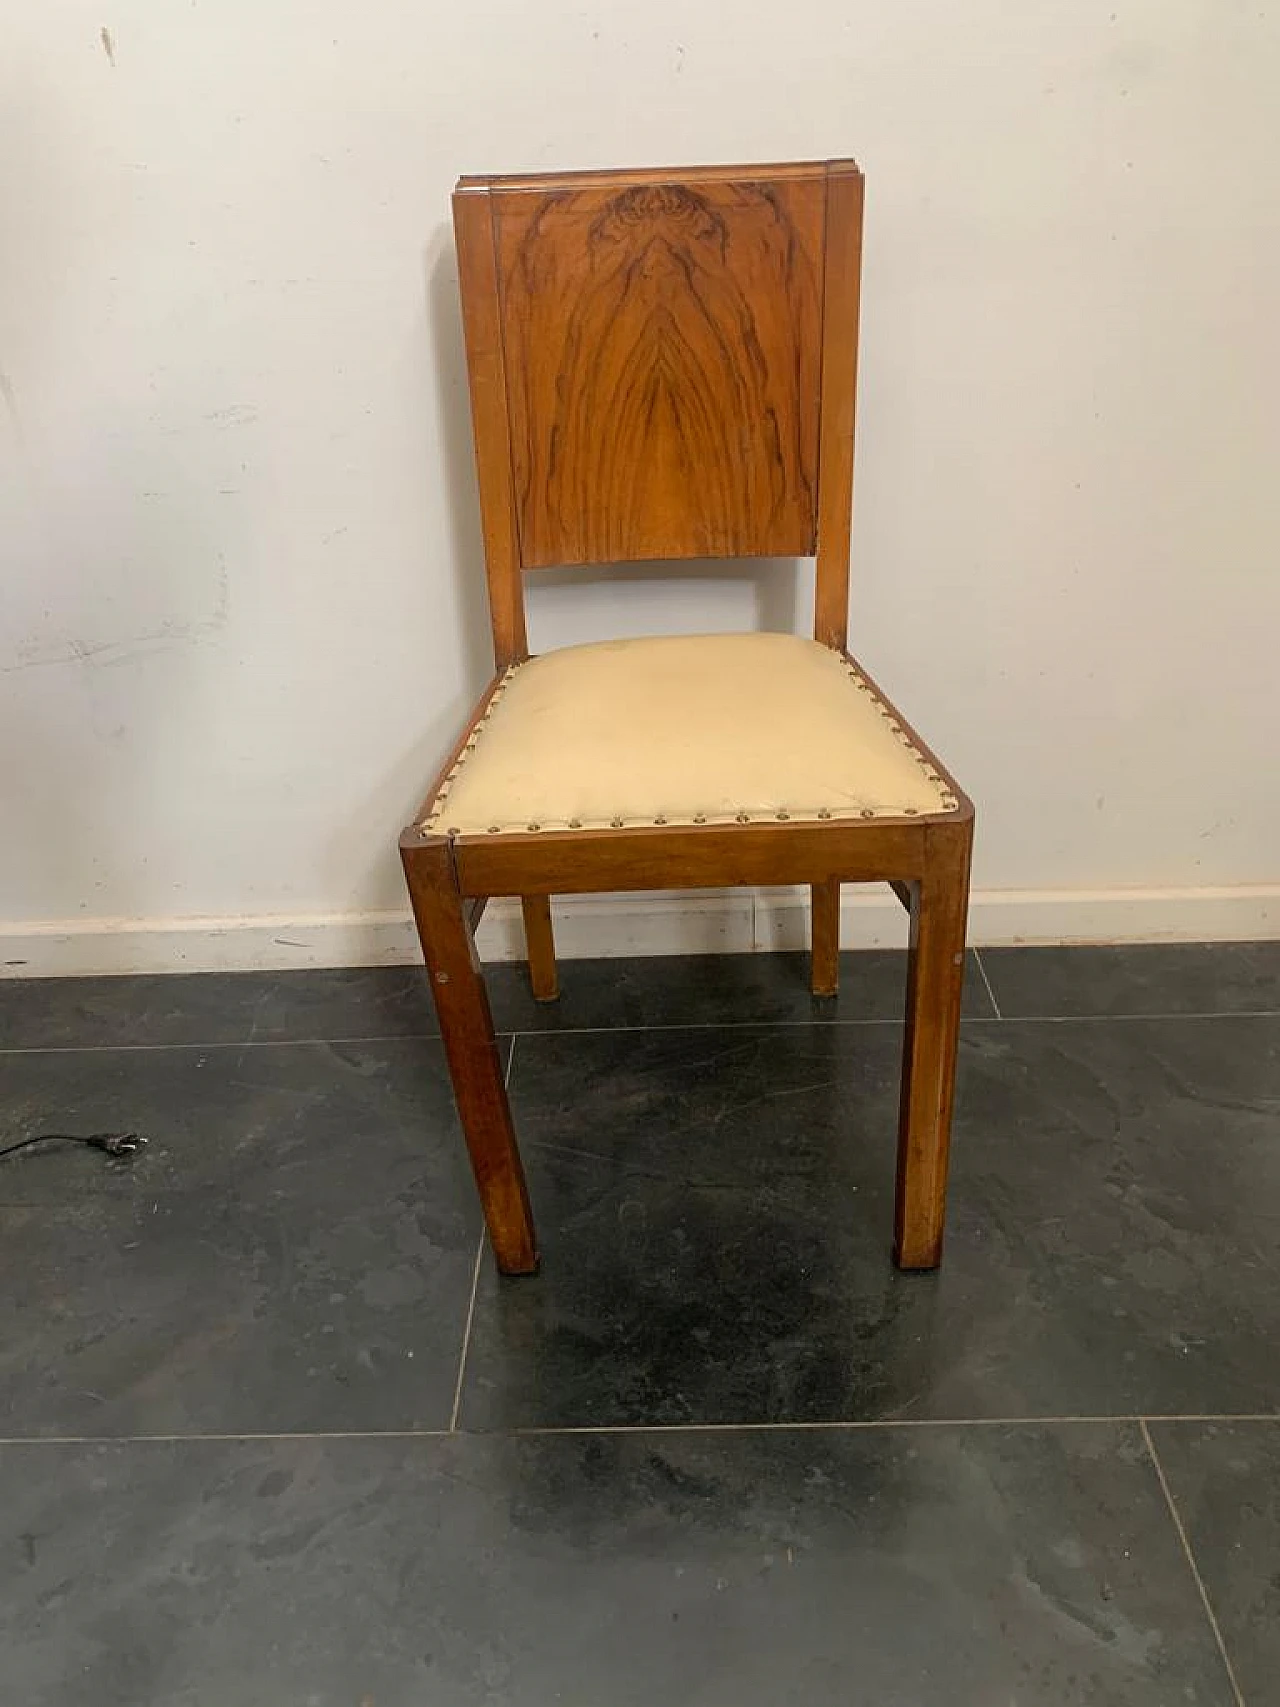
{"x": 241, "y": 607}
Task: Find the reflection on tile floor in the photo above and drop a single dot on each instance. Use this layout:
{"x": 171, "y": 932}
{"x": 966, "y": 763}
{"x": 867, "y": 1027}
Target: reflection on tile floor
{"x": 870, "y": 1477}
{"x": 716, "y": 1210}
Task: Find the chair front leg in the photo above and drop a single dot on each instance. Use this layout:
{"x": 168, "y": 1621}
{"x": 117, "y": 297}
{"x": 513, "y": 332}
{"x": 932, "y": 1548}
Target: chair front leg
{"x": 475, "y": 1067}
{"x": 935, "y": 976}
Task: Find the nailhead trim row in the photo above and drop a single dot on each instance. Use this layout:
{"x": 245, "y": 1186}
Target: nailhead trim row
{"x": 784, "y": 814}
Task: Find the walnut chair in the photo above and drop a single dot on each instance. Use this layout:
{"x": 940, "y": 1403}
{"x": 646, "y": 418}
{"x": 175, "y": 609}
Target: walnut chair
{"x": 663, "y": 366}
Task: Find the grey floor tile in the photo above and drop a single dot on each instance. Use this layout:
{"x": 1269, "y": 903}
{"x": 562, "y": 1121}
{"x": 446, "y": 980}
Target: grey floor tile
{"x": 294, "y": 1249}
{"x": 1225, "y": 1480}
{"x": 895, "y": 1569}
{"x": 1146, "y": 978}
{"x": 715, "y": 1212}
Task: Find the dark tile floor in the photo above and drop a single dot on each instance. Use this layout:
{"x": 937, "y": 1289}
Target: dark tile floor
{"x": 274, "y": 1430}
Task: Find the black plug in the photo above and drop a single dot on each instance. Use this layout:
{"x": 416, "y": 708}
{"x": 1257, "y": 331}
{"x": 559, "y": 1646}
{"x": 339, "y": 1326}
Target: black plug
{"x": 116, "y": 1143}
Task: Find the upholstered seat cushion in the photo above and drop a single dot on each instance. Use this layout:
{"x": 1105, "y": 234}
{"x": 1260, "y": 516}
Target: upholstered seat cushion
{"x": 685, "y": 730}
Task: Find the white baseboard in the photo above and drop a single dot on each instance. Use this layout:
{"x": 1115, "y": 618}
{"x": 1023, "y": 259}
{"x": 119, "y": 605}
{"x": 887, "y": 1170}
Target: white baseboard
{"x": 700, "y": 922}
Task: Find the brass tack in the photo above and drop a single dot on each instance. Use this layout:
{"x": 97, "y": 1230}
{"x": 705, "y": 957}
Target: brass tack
{"x": 534, "y": 826}
{"x": 615, "y": 823}
{"x": 868, "y": 811}
{"x": 744, "y": 818}
{"x": 453, "y": 830}
{"x": 910, "y": 812}
{"x": 575, "y": 823}
{"x": 784, "y": 816}
{"x": 699, "y": 817}
{"x": 824, "y": 811}
{"x": 495, "y": 829}
{"x": 659, "y": 819}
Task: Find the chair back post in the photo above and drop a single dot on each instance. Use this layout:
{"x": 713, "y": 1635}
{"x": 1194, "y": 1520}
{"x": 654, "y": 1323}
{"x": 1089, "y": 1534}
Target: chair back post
{"x": 841, "y": 298}
{"x": 490, "y": 422}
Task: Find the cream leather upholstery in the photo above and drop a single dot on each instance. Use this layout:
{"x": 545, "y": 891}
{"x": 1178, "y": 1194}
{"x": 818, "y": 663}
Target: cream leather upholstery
{"x": 688, "y": 730}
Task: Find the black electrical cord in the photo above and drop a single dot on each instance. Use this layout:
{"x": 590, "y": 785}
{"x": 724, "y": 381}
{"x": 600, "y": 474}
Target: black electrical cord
{"x": 114, "y": 1143}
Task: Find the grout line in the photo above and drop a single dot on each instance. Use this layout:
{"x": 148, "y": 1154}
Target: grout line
{"x": 981, "y": 968}
{"x": 1207, "y": 1417}
{"x": 596, "y": 1030}
{"x": 420, "y": 1036}
{"x": 862, "y": 1427}
{"x": 1094, "y": 1019}
{"x": 246, "y": 1435}
{"x": 1000, "y": 1018}
{"x": 237, "y": 1043}
{"x": 1191, "y": 1561}
{"x": 534, "y": 1432}
{"x": 867, "y": 1424}
{"x": 466, "y": 1335}
{"x": 708, "y": 1025}
{"x": 475, "y": 1284}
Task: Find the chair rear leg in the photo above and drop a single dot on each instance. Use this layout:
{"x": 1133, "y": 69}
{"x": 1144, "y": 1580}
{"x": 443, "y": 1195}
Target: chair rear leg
{"x": 541, "y": 944}
{"x": 935, "y": 975}
{"x": 475, "y": 1066}
{"x": 824, "y": 926}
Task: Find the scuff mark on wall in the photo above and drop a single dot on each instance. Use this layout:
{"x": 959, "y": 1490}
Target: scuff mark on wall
{"x": 234, "y": 415}
{"x": 108, "y": 46}
{"x": 11, "y": 409}
{"x": 73, "y": 650}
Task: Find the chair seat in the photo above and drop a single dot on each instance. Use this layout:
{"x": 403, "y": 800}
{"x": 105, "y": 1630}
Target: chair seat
{"x": 692, "y": 729}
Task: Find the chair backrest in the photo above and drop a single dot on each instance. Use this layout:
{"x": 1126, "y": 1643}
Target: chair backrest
{"x": 662, "y": 365}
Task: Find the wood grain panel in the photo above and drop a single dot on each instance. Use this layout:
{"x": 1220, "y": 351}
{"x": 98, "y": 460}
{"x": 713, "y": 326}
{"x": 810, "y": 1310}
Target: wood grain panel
{"x": 662, "y": 347}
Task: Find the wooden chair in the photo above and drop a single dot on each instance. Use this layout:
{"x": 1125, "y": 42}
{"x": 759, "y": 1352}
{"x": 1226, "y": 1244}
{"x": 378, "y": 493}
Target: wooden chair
{"x": 662, "y": 366}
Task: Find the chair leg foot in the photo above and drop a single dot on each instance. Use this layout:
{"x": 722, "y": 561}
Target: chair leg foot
{"x": 935, "y": 975}
{"x": 824, "y": 926}
{"x": 541, "y": 944}
{"x": 475, "y": 1065}
{"x": 515, "y": 1263}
